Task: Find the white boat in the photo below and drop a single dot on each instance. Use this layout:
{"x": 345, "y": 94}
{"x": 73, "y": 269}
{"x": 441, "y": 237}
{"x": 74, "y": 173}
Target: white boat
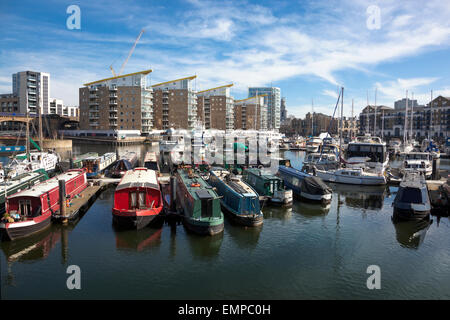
{"x": 38, "y": 160}
{"x": 316, "y": 158}
{"x": 173, "y": 144}
{"x": 367, "y": 152}
{"x": 395, "y": 146}
{"x": 417, "y": 162}
{"x": 313, "y": 144}
{"x": 357, "y": 176}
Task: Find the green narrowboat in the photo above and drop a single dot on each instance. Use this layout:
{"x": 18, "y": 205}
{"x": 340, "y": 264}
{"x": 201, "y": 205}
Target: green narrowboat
{"x": 19, "y": 183}
{"x": 269, "y": 186}
{"x": 78, "y": 160}
{"x": 199, "y": 202}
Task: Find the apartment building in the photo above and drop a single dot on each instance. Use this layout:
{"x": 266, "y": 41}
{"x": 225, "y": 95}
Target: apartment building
{"x": 251, "y": 113}
{"x": 283, "y": 111}
{"x": 272, "y": 98}
{"x": 427, "y": 121}
{"x": 117, "y": 103}
{"x": 175, "y": 104}
{"x": 9, "y": 103}
{"x": 33, "y": 91}
{"x": 215, "y": 108}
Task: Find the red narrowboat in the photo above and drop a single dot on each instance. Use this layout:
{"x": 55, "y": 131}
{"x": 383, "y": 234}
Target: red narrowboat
{"x": 30, "y": 211}
{"x": 137, "y": 199}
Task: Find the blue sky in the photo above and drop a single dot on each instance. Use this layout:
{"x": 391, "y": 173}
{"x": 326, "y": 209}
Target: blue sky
{"x": 307, "y": 48}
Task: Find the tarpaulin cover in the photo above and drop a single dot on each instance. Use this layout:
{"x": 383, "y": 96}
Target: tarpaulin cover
{"x": 315, "y": 186}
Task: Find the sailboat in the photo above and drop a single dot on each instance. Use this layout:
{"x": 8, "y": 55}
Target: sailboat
{"x": 34, "y": 160}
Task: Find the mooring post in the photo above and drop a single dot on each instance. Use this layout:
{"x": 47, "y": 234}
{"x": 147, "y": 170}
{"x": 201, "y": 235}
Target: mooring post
{"x": 173, "y": 193}
{"x": 62, "y": 200}
{"x": 435, "y": 172}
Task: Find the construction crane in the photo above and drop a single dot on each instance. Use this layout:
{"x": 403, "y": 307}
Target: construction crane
{"x": 129, "y": 55}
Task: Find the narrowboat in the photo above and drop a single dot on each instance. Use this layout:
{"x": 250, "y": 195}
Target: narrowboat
{"x": 304, "y": 185}
{"x": 137, "y": 199}
{"x": 77, "y": 161}
{"x": 30, "y": 211}
{"x": 151, "y": 161}
{"x": 96, "y": 165}
{"x": 268, "y": 185}
{"x": 199, "y": 202}
{"x": 19, "y": 183}
{"x": 125, "y": 162}
{"x": 239, "y": 200}
{"x": 412, "y": 201}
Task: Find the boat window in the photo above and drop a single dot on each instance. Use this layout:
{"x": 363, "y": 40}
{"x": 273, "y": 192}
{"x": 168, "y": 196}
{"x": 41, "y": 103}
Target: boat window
{"x": 133, "y": 200}
{"x": 344, "y": 173}
{"x": 411, "y": 195}
{"x": 141, "y": 199}
{"x": 25, "y": 208}
{"x": 355, "y": 173}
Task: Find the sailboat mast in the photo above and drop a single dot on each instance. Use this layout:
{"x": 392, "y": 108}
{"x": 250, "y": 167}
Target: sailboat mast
{"x": 342, "y": 112}
{"x": 431, "y": 115}
{"x": 375, "y": 117}
{"x": 351, "y": 132}
{"x": 368, "y": 113}
{"x": 312, "y": 117}
{"x": 40, "y": 128}
{"x": 412, "y": 113}
{"x": 27, "y": 138}
{"x": 405, "y": 127}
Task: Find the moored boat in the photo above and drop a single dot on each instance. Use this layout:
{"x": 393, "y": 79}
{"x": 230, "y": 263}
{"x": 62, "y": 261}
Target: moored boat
{"x": 412, "y": 201}
{"x": 239, "y": 200}
{"x": 268, "y": 185}
{"x": 199, "y": 202}
{"x": 151, "y": 161}
{"x": 96, "y": 165}
{"x": 77, "y": 161}
{"x": 30, "y": 211}
{"x": 125, "y": 162}
{"x": 304, "y": 185}
{"x": 19, "y": 183}
{"x": 357, "y": 176}
{"x": 417, "y": 162}
{"x": 137, "y": 199}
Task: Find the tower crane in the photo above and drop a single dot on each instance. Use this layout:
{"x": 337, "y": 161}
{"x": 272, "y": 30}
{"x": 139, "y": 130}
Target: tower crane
{"x": 129, "y": 55}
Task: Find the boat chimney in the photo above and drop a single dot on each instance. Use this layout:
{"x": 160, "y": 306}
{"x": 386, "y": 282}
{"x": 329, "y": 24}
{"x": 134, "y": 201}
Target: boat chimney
{"x": 435, "y": 170}
{"x": 62, "y": 199}
{"x": 71, "y": 163}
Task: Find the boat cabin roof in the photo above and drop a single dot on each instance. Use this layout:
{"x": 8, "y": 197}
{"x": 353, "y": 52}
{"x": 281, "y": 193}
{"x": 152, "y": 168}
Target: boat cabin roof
{"x": 150, "y": 156}
{"x": 48, "y": 185}
{"x": 236, "y": 183}
{"x": 139, "y": 178}
{"x": 263, "y": 175}
{"x": 204, "y": 191}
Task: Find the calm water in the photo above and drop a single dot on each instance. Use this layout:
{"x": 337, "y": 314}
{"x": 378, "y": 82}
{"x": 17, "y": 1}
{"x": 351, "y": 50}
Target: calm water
{"x": 308, "y": 252}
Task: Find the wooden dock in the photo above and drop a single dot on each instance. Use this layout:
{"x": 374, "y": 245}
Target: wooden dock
{"x": 81, "y": 203}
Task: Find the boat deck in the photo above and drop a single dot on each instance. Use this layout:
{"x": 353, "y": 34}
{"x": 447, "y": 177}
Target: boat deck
{"x": 81, "y": 203}
{"x": 237, "y": 184}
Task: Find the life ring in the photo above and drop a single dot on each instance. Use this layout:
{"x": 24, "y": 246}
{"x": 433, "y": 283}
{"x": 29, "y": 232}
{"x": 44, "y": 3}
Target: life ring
{"x": 195, "y": 184}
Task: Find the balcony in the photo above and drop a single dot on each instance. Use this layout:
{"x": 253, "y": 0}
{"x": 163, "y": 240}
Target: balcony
{"x": 93, "y": 96}
{"x": 113, "y": 102}
{"x": 113, "y": 88}
{"x": 93, "y": 89}
{"x": 113, "y": 116}
{"x": 113, "y": 95}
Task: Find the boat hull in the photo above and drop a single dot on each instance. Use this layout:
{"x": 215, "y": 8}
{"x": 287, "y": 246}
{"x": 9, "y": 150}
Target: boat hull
{"x": 202, "y": 228}
{"x": 367, "y": 181}
{"x": 244, "y": 220}
{"x": 133, "y": 221}
{"x": 410, "y": 214}
{"x": 13, "y": 231}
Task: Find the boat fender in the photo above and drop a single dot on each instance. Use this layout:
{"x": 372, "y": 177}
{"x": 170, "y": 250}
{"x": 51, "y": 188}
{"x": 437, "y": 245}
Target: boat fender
{"x": 195, "y": 184}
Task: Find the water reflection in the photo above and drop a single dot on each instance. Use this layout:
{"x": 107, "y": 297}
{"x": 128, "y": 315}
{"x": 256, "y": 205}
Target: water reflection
{"x": 411, "y": 234}
{"x": 311, "y": 210}
{"x": 272, "y": 212}
{"x": 244, "y": 237}
{"x": 138, "y": 240}
{"x": 365, "y": 197}
{"x": 205, "y": 247}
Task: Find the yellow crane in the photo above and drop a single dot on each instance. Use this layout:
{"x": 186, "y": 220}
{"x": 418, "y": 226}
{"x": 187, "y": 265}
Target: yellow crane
{"x": 129, "y": 55}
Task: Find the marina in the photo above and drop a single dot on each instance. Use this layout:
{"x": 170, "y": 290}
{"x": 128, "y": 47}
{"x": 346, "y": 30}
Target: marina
{"x": 335, "y": 240}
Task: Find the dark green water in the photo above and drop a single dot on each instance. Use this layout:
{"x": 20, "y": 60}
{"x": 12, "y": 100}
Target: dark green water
{"x": 308, "y": 252}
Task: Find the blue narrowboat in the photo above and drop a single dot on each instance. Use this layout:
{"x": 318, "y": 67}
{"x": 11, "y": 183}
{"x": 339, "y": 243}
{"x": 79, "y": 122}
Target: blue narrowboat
{"x": 239, "y": 201}
{"x": 304, "y": 185}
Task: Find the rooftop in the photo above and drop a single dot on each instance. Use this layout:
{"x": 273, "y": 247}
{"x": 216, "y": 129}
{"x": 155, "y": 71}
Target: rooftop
{"x": 145, "y": 72}
{"x": 176, "y": 80}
